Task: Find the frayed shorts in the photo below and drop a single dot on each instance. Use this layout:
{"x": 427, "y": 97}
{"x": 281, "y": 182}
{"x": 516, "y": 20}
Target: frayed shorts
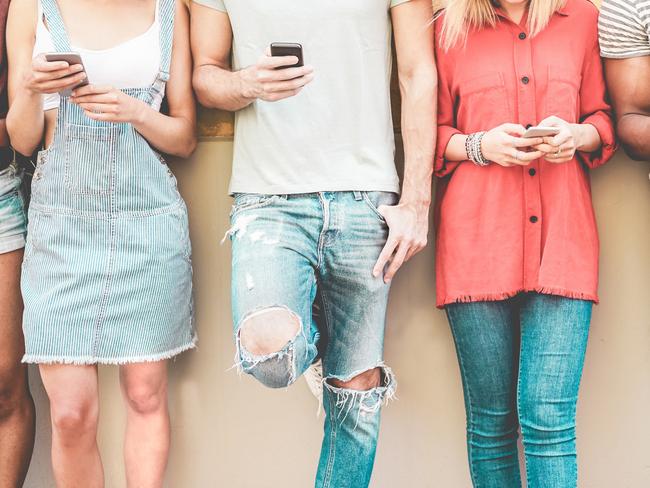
{"x": 13, "y": 218}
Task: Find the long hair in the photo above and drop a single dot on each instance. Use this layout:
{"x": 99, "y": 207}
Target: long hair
{"x": 462, "y": 15}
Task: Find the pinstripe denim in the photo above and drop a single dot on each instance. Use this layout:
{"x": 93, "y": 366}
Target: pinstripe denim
{"x": 107, "y": 276}
{"x": 13, "y": 221}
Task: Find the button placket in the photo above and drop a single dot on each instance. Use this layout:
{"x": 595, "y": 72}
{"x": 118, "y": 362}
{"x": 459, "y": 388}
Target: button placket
{"x": 527, "y": 111}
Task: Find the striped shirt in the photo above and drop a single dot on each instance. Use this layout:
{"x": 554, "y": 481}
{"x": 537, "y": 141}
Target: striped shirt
{"x": 624, "y": 28}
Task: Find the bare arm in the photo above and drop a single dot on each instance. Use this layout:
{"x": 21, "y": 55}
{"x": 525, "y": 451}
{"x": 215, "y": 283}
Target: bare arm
{"x": 629, "y": 87}
{"x": 409, "y": 220}
{"x": 30, "y": 78}
{"x": 218, "y": 86}
{"x": 172, "y": 134}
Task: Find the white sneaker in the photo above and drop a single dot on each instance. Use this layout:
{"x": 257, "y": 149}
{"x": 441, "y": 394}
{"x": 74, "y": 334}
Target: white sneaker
{"x": 314, "y": 378}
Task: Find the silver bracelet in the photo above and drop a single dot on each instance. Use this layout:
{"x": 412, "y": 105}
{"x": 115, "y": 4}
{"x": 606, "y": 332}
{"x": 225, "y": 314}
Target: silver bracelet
{"x": 473, "y": 149}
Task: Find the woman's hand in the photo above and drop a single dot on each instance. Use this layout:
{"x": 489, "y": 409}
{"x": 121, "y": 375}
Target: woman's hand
{"x": 504, "y": 145}
{"x": 109, "y": 104}
{"x": 52, "y": 77}
{"x": 562, "y": 147}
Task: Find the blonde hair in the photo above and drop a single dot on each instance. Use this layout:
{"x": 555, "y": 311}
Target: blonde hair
{"x": 462, "y": 15}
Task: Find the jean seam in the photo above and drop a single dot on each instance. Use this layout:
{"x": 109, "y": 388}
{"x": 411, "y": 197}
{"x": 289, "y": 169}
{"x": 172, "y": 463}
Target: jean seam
{"x": 470, "y": 413}
{"x": 332, "y": 452}
{"x": 519, "y": 412}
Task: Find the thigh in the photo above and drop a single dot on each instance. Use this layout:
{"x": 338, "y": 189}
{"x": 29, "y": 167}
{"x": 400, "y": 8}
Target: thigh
{"x": 143, "y": 379}
{"x": 273, "y": 256}
{"x": 71, "y": 388}
{"x": 12, "y": 345}
{"x": 554, "y": 332}
{"x": 353, "y": 301}
{"x": 487, "y": 339}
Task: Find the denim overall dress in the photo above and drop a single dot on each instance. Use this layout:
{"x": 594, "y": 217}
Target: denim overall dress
{"x": 107, "y": 276}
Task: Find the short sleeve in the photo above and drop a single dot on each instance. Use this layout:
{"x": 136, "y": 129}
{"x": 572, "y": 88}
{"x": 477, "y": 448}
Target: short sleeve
{"x": 622, "y": 30}
{"x": 395, "y": 3}
{"x": 215, "y": 4}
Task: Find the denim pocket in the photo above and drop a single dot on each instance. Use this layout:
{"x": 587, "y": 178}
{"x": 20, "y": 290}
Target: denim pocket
{"x": 90, "y": 158}
{"x": 375, "y": 199}
{"x": 249, "y": 201}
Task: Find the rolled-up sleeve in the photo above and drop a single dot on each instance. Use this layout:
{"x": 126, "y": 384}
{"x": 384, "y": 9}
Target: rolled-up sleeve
{"x": 446, "y": 123}
{"x": 595, "y": 109}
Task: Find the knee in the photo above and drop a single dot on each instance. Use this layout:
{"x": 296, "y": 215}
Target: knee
{"x": 365, "y": 381}
{"x": 546, "y": 423}
{"x": 269, "y": 331}
{"x": 72, "y": 420}
{"x": 145, "y": 399}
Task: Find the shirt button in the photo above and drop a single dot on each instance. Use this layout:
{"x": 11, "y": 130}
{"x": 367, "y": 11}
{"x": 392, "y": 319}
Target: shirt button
{"x": 532, "y": 172}
{"x": 533, "y": 219}
{"x": 529, "y": 126}
{"x": 522, "y": 35}
{"x": 525, "y": 80}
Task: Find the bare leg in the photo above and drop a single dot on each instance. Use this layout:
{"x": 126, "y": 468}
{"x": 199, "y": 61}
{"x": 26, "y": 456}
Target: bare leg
{"x": 16, "y": 405}
{"x": 146, "y": 449}
{"x": 74, "y": 404}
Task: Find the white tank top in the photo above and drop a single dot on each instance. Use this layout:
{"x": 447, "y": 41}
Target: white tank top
{"x": 131, "y": 64}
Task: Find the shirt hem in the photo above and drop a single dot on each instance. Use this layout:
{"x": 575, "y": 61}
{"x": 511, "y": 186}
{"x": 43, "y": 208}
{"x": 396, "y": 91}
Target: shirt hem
{"x": 392, "y": 187}
{"x": 499, "y": 296}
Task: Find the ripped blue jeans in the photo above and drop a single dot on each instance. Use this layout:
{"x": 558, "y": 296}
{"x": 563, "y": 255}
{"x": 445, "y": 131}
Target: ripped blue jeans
{"x": 311, "y": 256}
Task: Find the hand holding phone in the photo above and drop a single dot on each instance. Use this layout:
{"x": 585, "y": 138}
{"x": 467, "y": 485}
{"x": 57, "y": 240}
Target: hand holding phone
{"x": 73, "y": 60}
{"x": 541, "y": 131}
{"x": 276, "y": 77}
{"x": 53, "y": 76}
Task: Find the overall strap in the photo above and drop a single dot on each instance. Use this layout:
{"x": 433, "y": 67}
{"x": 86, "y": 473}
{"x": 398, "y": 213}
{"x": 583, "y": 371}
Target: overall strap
{"x": 166, "y": 13}
{"x": 55, "y": 25}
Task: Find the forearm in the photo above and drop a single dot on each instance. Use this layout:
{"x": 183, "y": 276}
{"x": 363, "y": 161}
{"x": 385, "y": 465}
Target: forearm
{"x": 170, "y": 135}
{"x": 419, "y": 134}
{"x": 220, "y": 88}
{"x": 634, "y": 134}
{"x": 587, "y": 137}
{"x": 26, "y": 122}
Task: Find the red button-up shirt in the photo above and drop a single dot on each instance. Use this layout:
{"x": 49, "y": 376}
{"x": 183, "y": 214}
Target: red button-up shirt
{"x": 502, "y": 231}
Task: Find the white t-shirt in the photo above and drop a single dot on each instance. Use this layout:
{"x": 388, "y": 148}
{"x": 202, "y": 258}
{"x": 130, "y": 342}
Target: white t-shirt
{"x": 337, "y": 133}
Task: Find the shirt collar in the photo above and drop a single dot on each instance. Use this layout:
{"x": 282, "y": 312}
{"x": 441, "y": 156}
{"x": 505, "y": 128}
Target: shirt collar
{"x": 563, "y": 11}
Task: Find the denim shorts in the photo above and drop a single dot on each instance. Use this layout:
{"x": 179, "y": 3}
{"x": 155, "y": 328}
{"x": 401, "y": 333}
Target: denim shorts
{"x": 13, "y": 220}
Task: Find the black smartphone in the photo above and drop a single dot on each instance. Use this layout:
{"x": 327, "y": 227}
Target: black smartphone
{"x": 70, "y": 58}
{"x": 288, "y": 49}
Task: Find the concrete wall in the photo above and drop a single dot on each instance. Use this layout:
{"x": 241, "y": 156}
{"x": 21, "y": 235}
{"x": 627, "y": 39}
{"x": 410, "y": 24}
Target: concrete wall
{"x": 231, "y": 432}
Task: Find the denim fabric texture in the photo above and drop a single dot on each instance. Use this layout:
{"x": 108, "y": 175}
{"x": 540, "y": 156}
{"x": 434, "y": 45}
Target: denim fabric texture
{"x": 107, "y": 276}
{"x": 13, "y": 220}
{"x": 312, "y": 255}
{"x": 521, "y": 362}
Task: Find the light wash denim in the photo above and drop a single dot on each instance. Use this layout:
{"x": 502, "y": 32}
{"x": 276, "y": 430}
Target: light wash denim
{"x": 13, "y": 220}
{"x": 313, "y": 256}
{"x": 521, "y": 362}
{"x": 107, "y": 276}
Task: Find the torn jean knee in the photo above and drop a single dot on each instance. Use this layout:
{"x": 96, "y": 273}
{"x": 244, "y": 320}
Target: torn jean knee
{"x": 278, "y": 369}
{"x": 363, "y": 404}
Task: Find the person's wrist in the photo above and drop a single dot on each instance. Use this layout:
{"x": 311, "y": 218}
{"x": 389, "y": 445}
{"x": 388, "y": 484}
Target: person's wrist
{"x": 246, "y": 90}
{"x": 577, "y": 130}
{"x": 140, "y": 112}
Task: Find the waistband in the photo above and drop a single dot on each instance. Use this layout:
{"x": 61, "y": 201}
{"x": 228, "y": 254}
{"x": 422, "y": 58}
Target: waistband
{"x": 8, "y": 156}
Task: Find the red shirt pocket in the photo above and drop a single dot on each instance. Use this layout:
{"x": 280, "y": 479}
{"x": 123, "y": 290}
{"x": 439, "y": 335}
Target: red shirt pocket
{"x": 483, "y": 103}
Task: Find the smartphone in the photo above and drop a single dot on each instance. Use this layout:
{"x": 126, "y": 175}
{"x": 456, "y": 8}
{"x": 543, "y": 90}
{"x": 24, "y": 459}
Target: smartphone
{"x": 541, "y": 131}
{"x": 288, "y": 49}
{"x": 70, "y": 58}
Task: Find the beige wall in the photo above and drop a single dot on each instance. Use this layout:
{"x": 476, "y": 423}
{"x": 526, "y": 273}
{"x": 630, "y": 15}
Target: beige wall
{"x": 230, "y": 432}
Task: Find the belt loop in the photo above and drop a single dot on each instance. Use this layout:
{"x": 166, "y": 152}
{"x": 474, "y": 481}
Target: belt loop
{"x": 357, "y": 195}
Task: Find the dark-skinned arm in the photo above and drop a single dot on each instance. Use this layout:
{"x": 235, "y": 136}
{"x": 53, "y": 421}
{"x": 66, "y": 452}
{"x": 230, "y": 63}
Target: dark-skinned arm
{"x": 629, "y": 87}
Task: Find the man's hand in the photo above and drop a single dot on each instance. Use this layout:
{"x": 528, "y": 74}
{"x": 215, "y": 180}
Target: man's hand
{"x": 268, "y": 81}
{"x": 408, "y": 228}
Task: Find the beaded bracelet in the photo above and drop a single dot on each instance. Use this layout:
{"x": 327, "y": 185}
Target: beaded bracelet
{"x": 473, "y": 149}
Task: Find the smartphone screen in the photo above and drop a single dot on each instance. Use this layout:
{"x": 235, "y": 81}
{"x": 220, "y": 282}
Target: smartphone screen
{"x": 288, "y": 49}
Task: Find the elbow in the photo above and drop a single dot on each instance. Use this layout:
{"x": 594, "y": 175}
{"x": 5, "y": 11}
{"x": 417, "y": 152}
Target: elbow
{"x": 19, "y": 142}
{"x": 187, "y": 146}
{"x": 633, "y": 145}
